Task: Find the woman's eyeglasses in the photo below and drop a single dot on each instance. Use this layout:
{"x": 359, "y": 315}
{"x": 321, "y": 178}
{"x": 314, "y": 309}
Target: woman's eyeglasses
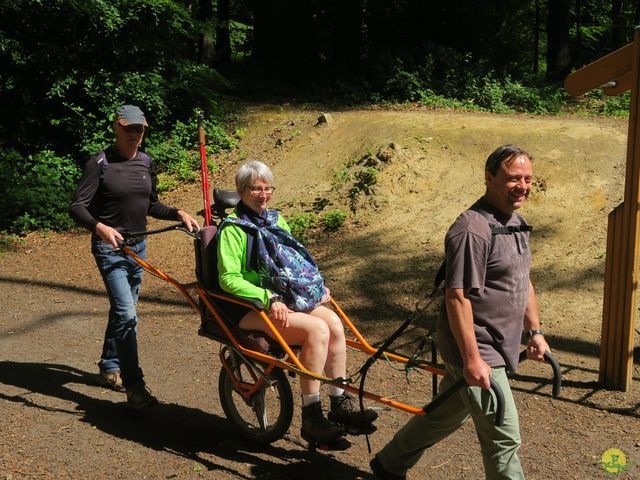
{"x": 258, "y": 190}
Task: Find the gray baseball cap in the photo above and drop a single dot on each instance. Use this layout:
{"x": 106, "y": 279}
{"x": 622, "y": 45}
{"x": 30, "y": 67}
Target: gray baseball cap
{"x": 130, "y": 115}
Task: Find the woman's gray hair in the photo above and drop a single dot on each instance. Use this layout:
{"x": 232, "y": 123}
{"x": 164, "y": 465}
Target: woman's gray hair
{"x": 250, "y": 171}
{"x": 503, "y": 154}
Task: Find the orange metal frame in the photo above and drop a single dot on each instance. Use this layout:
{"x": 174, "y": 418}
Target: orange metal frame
{"x": 290, "y": 362}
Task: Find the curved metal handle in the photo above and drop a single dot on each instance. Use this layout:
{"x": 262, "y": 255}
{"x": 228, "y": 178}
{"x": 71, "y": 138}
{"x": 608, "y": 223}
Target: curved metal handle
{"x": 130, "y": 237}
{"x": 444, "y": 396}
{"x": 499, "y": 402}
{"x": 555, "y": 366}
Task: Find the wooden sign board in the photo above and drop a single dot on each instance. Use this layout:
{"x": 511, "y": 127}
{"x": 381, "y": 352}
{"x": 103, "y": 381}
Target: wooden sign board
{"x": 617, "y": 73}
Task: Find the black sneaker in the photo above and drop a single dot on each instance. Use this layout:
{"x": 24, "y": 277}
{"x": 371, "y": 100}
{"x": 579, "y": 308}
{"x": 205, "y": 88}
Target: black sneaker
{"x": 316, "y": 427}
{"x": 139, "y": 398}
{"x": 378, "y": 470}
{"x": 345, "y": 409}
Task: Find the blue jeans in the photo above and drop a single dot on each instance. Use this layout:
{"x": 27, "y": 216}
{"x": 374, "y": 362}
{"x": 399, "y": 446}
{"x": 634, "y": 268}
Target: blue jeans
{"x": 122, "y": 279}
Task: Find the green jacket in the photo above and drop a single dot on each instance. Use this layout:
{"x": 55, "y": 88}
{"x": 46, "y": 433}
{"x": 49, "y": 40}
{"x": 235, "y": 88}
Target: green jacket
{"x": 233, "y": 276}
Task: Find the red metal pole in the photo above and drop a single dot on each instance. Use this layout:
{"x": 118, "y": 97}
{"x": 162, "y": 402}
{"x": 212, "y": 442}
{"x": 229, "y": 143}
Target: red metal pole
{"x": 205, "y": 172}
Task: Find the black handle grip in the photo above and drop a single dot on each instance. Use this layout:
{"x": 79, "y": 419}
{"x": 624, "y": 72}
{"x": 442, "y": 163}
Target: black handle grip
{"x": 499, "y": 402}
{"x": 555, "y": 366}
{"x": 144, "y": 233}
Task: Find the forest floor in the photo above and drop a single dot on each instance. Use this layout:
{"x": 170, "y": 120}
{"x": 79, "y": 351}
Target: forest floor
{"x": 58, "y": 423}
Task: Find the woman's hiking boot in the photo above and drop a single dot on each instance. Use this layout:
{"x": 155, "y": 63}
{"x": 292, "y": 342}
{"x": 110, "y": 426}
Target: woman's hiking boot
{"x": 345, "y": 410}
{"x": 316, "y": 428}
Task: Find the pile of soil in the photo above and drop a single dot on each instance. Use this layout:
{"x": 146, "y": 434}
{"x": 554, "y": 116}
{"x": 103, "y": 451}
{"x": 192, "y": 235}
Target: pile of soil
{"x": 424, "y": 168}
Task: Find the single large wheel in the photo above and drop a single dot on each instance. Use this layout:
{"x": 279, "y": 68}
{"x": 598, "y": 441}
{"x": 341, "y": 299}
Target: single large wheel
{"x": 266, "y": 415}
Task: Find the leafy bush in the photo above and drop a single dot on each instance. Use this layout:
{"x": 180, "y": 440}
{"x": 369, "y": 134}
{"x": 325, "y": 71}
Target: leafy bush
{"x": 430, "y": 99}
{"x": 60, "y": 89}
{"x": 300, "y": 223}
{"x": 178, "y": 156}
{"x": 364, "y": 179}
{"x": 487, "y": 93}
{"x": 36, "y": 190}
{"x": 333, "y": 219}
{"x": 597, "y": 102}
{"x": 404, "y": 86}
{"x": 10, "y": 242}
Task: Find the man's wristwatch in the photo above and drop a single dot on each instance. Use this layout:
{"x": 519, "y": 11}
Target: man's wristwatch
{"x": 275, "y": 298}
{"x": 531, "y": 333}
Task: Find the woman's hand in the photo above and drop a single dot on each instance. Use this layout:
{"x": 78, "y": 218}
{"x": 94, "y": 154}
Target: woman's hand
{"x": 188, "y": 221}
{"x": 109, "y": 235}
{"x": 326, "y": 297}
{"x": 279, "y": 312}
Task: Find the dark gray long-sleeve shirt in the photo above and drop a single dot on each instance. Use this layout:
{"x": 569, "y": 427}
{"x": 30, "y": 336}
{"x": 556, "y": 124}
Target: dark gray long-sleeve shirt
{"x": 120, "y": 193}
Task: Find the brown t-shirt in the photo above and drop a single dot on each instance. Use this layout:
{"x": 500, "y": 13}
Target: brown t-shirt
{"x": 495, "y": 280}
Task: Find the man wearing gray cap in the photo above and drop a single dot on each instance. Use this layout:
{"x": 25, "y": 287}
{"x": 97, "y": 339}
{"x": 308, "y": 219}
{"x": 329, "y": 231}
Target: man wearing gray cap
{"x": 114, "y": 196}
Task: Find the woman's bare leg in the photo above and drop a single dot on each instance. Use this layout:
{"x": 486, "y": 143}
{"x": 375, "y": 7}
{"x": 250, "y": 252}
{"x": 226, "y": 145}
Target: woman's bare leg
{"x": 304, "y": 330}
{"x": 336, "y": 364}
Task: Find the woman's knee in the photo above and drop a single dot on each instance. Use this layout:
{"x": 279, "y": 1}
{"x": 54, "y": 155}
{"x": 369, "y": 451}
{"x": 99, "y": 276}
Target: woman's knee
{"x": 333, "y": 322}
{"x": 319, "y": 333}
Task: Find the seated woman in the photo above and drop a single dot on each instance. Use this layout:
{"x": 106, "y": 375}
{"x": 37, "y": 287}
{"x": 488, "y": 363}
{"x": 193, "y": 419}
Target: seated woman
{"x": 249, "y": 241}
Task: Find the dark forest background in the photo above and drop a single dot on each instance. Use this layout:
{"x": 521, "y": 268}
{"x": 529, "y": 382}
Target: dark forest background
{"x": 65, "y": 66}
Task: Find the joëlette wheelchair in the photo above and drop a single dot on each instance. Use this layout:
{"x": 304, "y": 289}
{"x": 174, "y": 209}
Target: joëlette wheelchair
{"x": 253, "y": 387}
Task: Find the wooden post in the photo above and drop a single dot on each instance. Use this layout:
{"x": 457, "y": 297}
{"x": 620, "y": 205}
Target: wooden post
{"x": 616, "y": 73}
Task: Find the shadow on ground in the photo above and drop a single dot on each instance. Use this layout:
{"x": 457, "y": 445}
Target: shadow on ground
{"x": 183, "y": 431}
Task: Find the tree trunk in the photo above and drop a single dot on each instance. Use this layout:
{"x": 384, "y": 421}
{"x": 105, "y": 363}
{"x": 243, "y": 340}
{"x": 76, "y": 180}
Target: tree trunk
{"x": 536, "y": 38}
{"x": 617, "y": 25}
{"x": 347, "y": 38}
{"x": 284, "y": 34}
{"x": 558, "y": 45}
{"x": 223, "y": 40}
{"x": 206, "y": 44}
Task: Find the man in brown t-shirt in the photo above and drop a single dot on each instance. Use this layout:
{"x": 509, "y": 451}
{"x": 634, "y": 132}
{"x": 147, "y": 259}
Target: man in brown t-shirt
{"x": 489, "y": 299}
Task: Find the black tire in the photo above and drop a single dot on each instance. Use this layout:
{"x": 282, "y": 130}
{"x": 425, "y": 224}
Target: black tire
{"x": 266, "y": 416}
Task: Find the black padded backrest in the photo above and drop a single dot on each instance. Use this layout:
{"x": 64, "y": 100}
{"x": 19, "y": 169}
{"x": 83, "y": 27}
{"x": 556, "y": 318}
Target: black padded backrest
{"x": 205, "y": 244}
{"x": 207, "y": 258}
{"x": 224, "y": 200}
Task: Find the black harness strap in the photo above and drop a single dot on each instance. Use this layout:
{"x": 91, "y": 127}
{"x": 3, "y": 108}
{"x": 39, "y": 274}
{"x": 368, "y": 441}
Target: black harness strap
{"x": 495, "y": 230}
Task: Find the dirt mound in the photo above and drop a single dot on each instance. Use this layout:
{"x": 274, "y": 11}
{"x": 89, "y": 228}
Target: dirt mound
{"x": 403, "y": 176}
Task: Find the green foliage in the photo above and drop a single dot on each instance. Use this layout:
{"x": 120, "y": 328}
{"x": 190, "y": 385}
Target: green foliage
{"x": 340, "y": 177}
{"x": 60, "y": 87}
{"x": 364, "y": 179}
{"x": 300, "y": 223}
{"x": 36, "y": 190}
{"x": 596, "y": 102}
{"x": 333, "y": 219}
{"x": 467, "y": 90}
{"x": 10, "y": 242}
{"x": 178, "y": 156}
{"x": 240, "y": 35}
{"x": 404, "y": 85}
{"x": 487, "y": 93}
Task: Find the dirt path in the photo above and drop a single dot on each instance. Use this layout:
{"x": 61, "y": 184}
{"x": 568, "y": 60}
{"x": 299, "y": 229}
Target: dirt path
{"x": 57, "y": 423}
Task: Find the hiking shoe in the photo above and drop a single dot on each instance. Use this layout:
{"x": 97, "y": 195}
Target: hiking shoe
{"x": 345, "y": 409}
{"x": 111, "y": 380}
{"x": 139, "y": 398}
{"x": 316, "y": 427}
{"x": 378, "y": 470}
